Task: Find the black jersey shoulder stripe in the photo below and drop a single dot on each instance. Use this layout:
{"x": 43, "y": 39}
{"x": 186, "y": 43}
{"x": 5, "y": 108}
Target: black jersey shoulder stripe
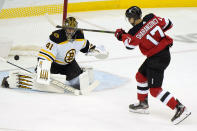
{"x": 78, "y": 35}
{"x": 58, "y": 36}
{"x": 148, "y": 17}
{"x": 46, "y": 55}
{"x": 129, "y": 48}
{"x": 168, "y": 26}
{"x": 86, "y": 48}
{"x": 136, "y": 28}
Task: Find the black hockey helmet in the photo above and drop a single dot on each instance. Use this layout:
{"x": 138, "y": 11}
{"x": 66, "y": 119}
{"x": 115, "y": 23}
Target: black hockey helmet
{"x": 133, "y": 12}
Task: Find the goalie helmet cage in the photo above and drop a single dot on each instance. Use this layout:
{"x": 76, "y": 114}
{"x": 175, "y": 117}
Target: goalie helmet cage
{"x": 32, "y": 50}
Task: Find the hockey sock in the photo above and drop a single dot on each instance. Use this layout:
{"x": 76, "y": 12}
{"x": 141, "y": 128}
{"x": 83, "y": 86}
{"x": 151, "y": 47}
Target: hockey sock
{"x": 164, "y": 96}
{"x": 142, "y": 87}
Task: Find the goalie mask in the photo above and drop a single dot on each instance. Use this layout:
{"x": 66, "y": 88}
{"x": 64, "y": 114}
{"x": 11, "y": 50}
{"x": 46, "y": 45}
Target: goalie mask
{"x": 71, "y": 27}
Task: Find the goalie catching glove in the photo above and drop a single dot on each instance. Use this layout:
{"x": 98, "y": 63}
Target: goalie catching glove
{"x": 97, "y": 51}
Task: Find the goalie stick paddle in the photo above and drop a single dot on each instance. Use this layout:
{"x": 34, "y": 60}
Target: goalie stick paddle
{"x": 92, "y": 30}
{"x": 53, "y": 81}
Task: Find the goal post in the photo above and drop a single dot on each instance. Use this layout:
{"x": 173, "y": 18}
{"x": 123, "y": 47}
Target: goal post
{"x": 65, "y": 8}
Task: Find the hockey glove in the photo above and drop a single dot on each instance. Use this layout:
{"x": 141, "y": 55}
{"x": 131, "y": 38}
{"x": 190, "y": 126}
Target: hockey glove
{"x": 126, "y": 38}
{"x": 119, "y": 33}
{"x": 91, "y": 48}
{"x": 128, "y": 42}
{"x": 98, "y": 51}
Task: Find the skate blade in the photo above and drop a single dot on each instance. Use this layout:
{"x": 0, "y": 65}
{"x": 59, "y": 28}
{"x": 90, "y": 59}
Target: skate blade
{"x": 140, "y": 111}
{"x": 182, "y": 118}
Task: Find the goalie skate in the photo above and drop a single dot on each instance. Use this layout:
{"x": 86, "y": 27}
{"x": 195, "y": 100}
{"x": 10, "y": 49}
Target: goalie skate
{"x": 181, "y": 114}
{"x": 141, "y": 107}
{"x": 5, "y": 82}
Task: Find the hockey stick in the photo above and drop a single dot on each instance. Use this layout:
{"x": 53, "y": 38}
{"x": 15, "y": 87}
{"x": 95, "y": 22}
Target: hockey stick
{"x": 1, "y": 59}
{"x": 53, "y": 81}
{"x": 58, "y": 26}
{"x": 92, "y": 30}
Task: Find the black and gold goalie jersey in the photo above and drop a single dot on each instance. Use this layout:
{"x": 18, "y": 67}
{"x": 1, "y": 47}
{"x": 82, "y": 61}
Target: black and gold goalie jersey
{"x": 61, "y": 50}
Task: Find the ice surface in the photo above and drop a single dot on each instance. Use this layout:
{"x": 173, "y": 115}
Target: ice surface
{"x": 104, "y": 110}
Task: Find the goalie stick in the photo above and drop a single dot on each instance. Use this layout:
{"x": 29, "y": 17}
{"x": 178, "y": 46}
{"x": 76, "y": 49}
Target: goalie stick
{"x": 53, "y": 81}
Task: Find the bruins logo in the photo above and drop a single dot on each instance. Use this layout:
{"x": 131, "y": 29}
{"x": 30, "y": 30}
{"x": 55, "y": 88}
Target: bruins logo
{"x": 56, "y": 35}
{"x": 70, "y": 56}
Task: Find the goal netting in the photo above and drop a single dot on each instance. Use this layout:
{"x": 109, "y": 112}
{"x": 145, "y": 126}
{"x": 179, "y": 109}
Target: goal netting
{"x": 24, "y": 26}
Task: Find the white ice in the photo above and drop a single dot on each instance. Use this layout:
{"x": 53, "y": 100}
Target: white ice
{"x": 104, "y": 110}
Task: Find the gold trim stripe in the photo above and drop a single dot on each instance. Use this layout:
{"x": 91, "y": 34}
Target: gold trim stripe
{"x": 60, "y": 62}
{"x": 49, "y": 53}
{"x": 65, "y": 42}
{"x": 46, "y": 57}
{"x": 79, "y": 39}
{"x": 84, "y": 43}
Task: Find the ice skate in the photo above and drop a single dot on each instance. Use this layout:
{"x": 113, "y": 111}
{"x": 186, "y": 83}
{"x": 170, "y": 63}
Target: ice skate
{"x": 181, "y": 114}
{"x": 141, "y": 107}
{"x": 5, "y": 82}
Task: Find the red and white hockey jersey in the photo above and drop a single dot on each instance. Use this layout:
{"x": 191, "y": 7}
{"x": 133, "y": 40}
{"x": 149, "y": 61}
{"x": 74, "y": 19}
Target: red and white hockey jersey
{"x": 149, "y": 35}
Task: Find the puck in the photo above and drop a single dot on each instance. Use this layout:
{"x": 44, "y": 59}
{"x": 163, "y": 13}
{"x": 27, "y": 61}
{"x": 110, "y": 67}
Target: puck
{"x": 16, "y": 57}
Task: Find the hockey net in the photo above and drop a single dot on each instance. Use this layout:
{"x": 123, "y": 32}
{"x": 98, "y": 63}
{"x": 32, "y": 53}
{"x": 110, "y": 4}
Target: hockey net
{"x": 10, "y": 15}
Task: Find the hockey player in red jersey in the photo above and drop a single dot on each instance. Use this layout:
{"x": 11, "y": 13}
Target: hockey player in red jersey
{"x": 149, "y": 34}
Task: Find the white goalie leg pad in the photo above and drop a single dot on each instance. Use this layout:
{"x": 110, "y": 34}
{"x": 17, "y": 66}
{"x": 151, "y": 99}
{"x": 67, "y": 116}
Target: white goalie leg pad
{"x": 84, "y": 80}
{"x": 60, "y": 81}
{"x": 90, "y": 72}
{"x": 65, "y": 87}
{"x": 43, "y": 71}
{"x": 23, "y": 79}
{"x": 20, "y": 79}
{"x": 49, "y": 88}
{"x": 87, "y": 83}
